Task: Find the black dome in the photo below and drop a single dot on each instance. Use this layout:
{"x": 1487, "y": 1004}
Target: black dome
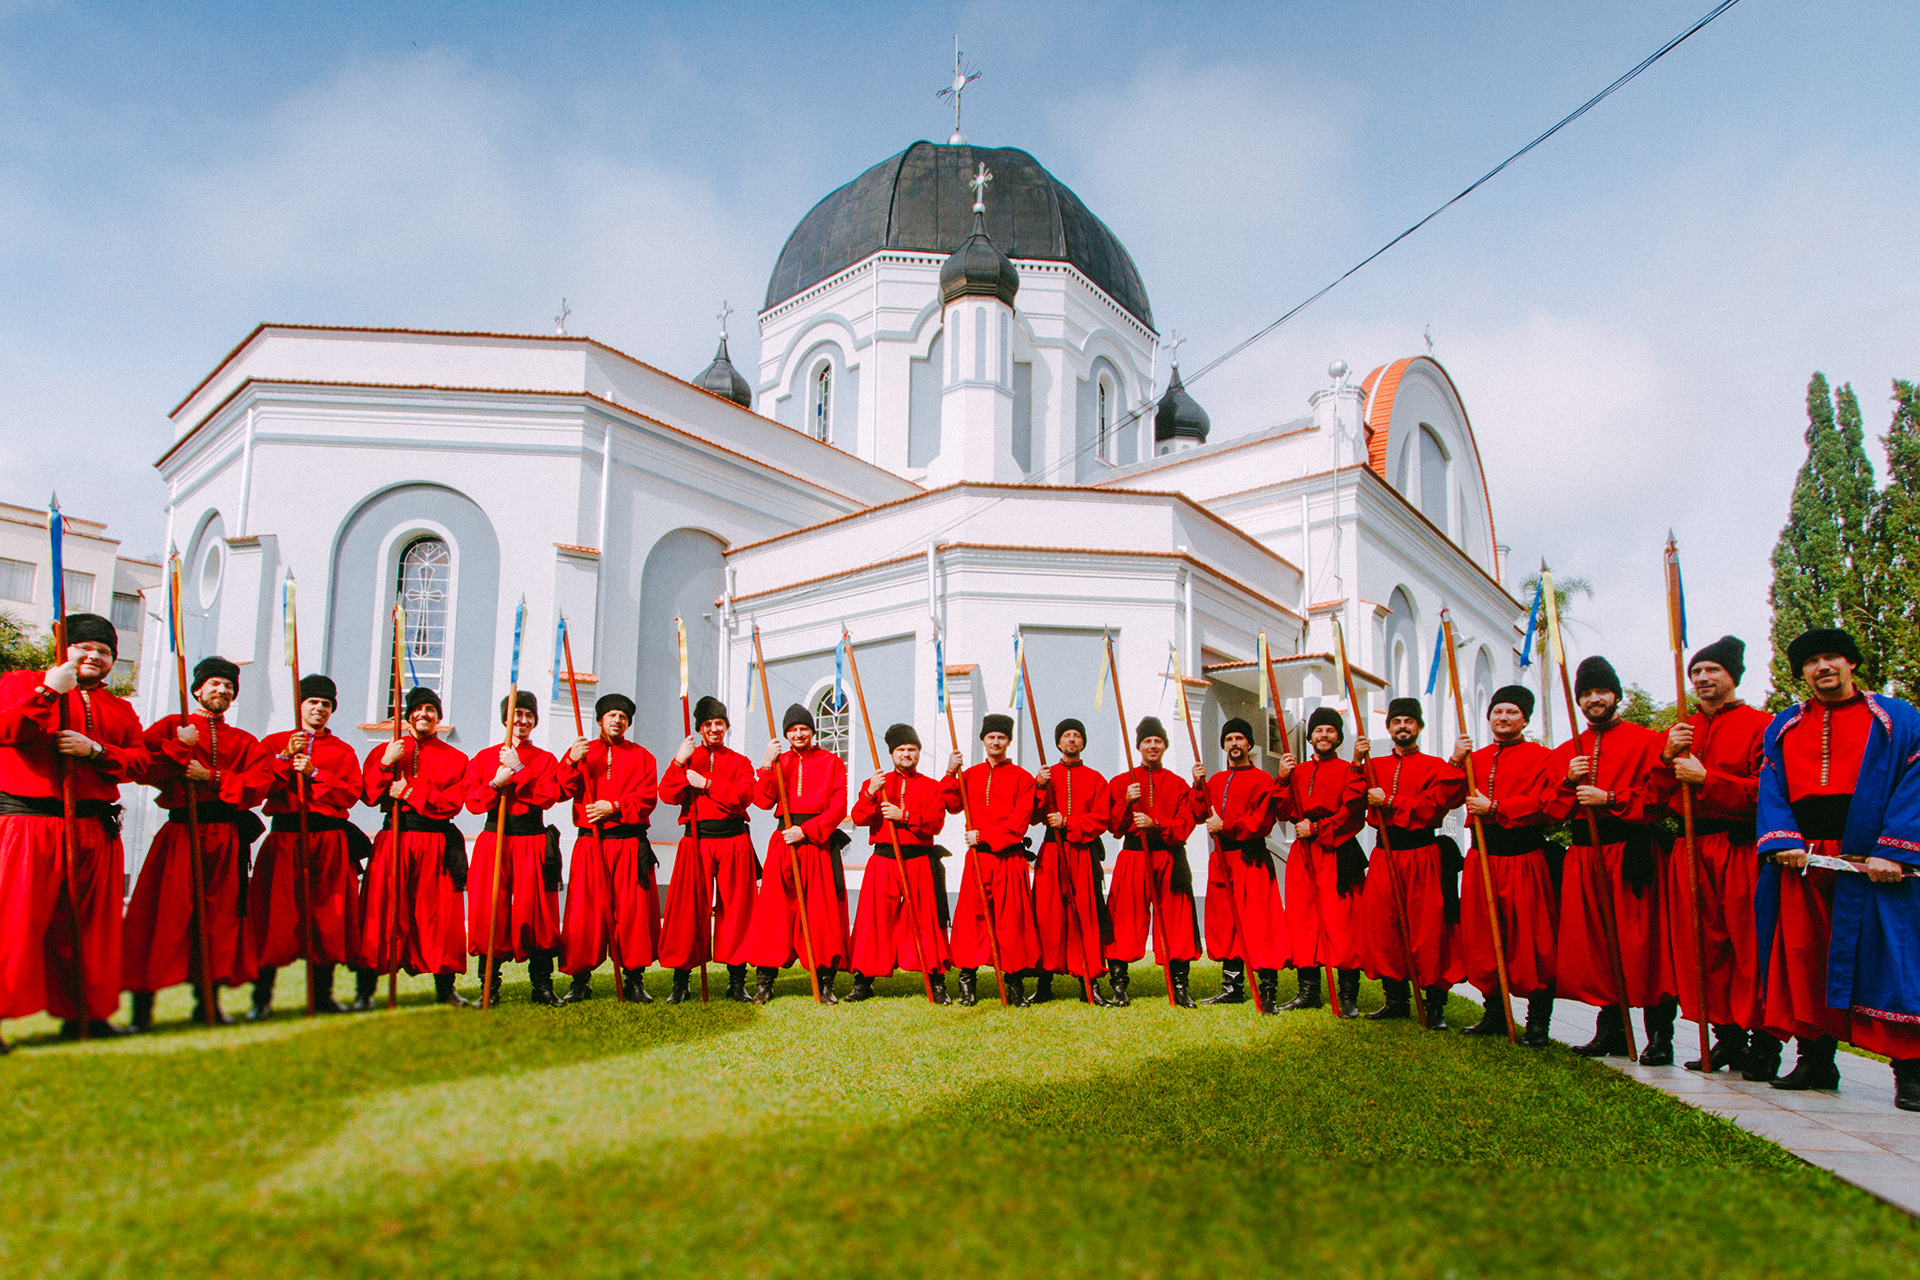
{"x": 1179, "y": 416}
{"x": 920, "y": 200}
{"x": 723, "y": 379}
{"x": 978, "y": 269}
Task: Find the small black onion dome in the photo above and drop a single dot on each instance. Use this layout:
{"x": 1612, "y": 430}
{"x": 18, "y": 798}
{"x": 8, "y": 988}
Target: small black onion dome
{"x": 1180, "y": 416}
{"x": 978, "y": 268}
{"x": 723, "y": 379}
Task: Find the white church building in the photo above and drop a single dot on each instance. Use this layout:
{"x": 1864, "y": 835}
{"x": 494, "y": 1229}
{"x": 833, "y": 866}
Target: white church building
{"x": 962, "y": 424}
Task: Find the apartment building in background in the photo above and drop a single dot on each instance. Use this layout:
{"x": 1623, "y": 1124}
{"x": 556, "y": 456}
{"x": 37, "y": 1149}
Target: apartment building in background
{"x": 99, "y": 579}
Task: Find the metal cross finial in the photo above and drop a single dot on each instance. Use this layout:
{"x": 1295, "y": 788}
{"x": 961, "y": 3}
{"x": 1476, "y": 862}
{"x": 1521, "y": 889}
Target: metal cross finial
{"x": 1429, "y": 336}
{"x": 725, "y": 311}
{"x": 1174, "y": 342}
{"x": 962, "y": 77}
{"x": 981, "y": 177}
{"x": 560, "y": 321}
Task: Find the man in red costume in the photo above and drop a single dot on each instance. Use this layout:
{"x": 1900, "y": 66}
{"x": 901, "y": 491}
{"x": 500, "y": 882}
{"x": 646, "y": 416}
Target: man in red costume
{"x": 316, "y": 771}
{"x": 1151, "y": 812}
{"x": 1326, "y": 870}
{"x": 64, "y": 721}
{"x": 807, "y": 851}
{"x": 901, "y": 924}
{"x": 1609, "y": 772}
{"x": 1718, "y": 751}
{"x": 1410, "y": 908}
{"x": 230, "y": 774}
{"x": 1513, "y": 778}
{"x": 525, "y": 912}
{"x": 411, "y": 904}
{"x": 1246, "y": 924}
{"x": 714, "y": 869}
{"x": 613, "y": 901}
{"x": 999, "y": 800}
{"x": 1069, "y": 909}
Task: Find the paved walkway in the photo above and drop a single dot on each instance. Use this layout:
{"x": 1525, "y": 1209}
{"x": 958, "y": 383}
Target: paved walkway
{"x": 1856, "y": 1133}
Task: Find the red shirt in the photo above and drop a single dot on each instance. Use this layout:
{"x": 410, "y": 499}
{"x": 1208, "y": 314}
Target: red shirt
{"x": 923, "y": 799}
{"x": 622, "y": 772}
{"x": 242, "y": 772}
{"x": 333, "y": 788}
{"x": 534, "y": 787}
{"x": 729, "y": 790}
{"x": 816, "y": 781}
{"x": 29, "y": 766}
{"x": 1823, "y": 748}
{"x": 1627, "y": 759}
{"x": 999, "y": 802}
{"x": 1163, "y": 797}
{"x": 1247, "y": 801}
{"x": 1331, "y": 794}
{"x": 1518, "y": 777}
{"x": 1421, "y": 790}
{"x": 436, "y": 775}
{"x": 1074, "y": 792}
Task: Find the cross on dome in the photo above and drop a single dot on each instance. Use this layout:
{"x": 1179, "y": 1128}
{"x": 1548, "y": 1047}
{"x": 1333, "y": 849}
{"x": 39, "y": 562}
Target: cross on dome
{"x": 726, "y": 310}
{"x": 981, "y": 177}
{"x": 962, "y": 77}
{"x": 1174, "y": 342}
{"x": 560, "y": 321}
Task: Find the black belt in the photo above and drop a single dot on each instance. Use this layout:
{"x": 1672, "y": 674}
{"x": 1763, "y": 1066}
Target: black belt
{"x": 105, "y": 812}
{"x": 1181, "y": 879}
{"x": 533, "y": 823}
{"x": 530, "y": 823}
{"x": 618, "y": 831}
{"x": 1738, "y": 830}
{"x": 835, "y": 842}
{"x": 359, "y": 848}
{"x": 1409, "y": 837}
{"x": 453, "y": 857}
{"x": 717, "y": 828}
{"x": 1822, "y": 817}
{"x": 1636, "y": 860}
{"x": 1252, "y": 852}
{"x": 1510, "y": 842}
{"x": 247, "y": 828}
{"x": 1137, "y": 841}
{"x": 910, "y": 851}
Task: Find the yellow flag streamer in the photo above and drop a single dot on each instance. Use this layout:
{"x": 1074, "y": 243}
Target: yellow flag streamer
{"x": 1267, "y": 695}
{"x": 680, "y": 630}
{"x": 286, "y": 617}
{"x": 1100, "y": 690}
{"x": 1558, "y": 654}
{"x": 1173, "y": 656}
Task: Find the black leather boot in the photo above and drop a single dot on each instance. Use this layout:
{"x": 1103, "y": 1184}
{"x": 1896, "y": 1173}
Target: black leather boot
{"x": 682, "y": 987}
{"x": 763, "y": 983}
{"x": 1814, "y": 1068}
{"x": 969, "y": 994}
{"x": 1306, "y": 990}
{"x": 1233, "y": 983}
{"x": 939, "y": 984}
{"x": 261, "y": 1007}
{"x": 862, "y": 989}
{"x": 634, "y": 984}
{"x": 1906, "y": 1083}
{"x": 581, "y": 988}
{"x": 97, "y": 1029}
{"x": 1493, "y": 1020}
{"x": 1539, "y": 1020}
{"x": 365, "y": 983}
{"x": 1729, "y": 1049}
{"x": 1118, "y": 976}
{"x": 443, "y": 992}
{"x": 1269, "y": 980}
{"x": 1042, "y": 989}
{"x": 1763, "y": 1057}
{"x": 827, "y": 976}
{"x": 142, "y": 1019}
{"x": 1349, "y": 980}
{"x": 323, "y": 1001}
{"x": 1658, "y": 1020}
{"x": 220, "y": 1018}
{"x": 1017, "y": 991}
{"x": 1609, "y": 1035}
{"x": 493, "y": 985}
{"x": 1399, "y": 1001}
{"x": 540, "y": 980}
{"x": 1090, "y": 993}
{"x": 1434, "y": 999}
{"x": 737, "y": 984}
{"x": 1177, "y": 970}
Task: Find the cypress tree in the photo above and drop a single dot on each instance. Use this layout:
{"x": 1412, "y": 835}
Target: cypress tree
{"x": 1896, "y": 535}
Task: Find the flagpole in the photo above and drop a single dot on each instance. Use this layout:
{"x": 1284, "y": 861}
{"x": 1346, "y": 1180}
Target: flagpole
{"x": 599, "y": 842}
{"x": 1677, "y": 631}
{"x": 1206, "y": 800}
{"x": 69, "y": 828}
{"x": 303, "y": 868}
{"x": 1068, "y": 908}
{"x": 1271, "y": 689}
{"x": 786, "y": 821}
{"x": 506, "y": 809}
{"x": 194, "y": 858}
{"x": 966, "y": 816}
{"x": 395, "y": 876}
{"x": 1479, "y": 833}
{"x": 1126, "y": 745}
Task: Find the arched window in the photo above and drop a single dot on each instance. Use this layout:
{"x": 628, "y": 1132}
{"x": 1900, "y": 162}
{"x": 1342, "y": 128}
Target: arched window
{"x": 831, "y": 723}
{"x": 1433, "y": 479}
{"x": 822, "y": 420}
{"x": 1104, "y": 424}
{"x": 425, "y": 582}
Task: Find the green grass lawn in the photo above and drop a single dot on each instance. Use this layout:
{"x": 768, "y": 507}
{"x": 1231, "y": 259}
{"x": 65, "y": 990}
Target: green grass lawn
{"x": 886, "y": 1139}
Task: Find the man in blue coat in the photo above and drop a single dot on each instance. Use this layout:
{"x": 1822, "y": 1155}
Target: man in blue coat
{"x": 1837, "y": 908}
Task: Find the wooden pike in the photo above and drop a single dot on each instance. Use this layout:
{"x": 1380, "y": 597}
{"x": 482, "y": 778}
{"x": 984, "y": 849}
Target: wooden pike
{"x": 69, "y": 831}
{"x": 693, "y": 828}
{"x": 396, "y": 880}
{"x": 979, "y": 883}
{"x": 1677, "y": 631}
{"x": 500, "y": 834}
{"x": 195, "y": 855}
{"x": 1126, "y": 745}
{"x": 1060, "y": 842}
{"x": 1480, "y": 834}
{"x": 1233, "y": 903}
{"x": 303, "y": 896}
{"x": 1286, "y": 749}
{"x": 786, "y": 820}
{"x": 893, "y": 832}
{"x": 599, "y": 842}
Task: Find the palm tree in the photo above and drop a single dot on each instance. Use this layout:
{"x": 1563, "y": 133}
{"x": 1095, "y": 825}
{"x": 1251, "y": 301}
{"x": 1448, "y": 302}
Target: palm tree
{"x": 1565, "y": 588}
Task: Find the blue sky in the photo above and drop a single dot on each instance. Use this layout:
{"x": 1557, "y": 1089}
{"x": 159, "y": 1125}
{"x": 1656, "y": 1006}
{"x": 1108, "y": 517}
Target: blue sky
{"x": 1631, "y": 313}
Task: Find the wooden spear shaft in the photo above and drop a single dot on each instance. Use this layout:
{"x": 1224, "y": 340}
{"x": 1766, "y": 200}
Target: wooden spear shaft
{"x": 1692, "y": 846}
{"x": 786, "y": 820}
{"x": 893, "y": 832}
{"x": 1126, "y": 745}
{"x": 1068, "y": 909}
{"x": 973, "y": 862}
{"x": 599, "y": 843}
{"x": 70, "y": 834}
{"x": 303, "y": 869}
{"x": 1480, "y": 839}
{"x": 1286, "y": 749}
{"x": 693, "y": 834}
{"x": 1233, "y": 902}
{"x": 499, "y": 845}
{"x": 392, "y": 950}
{"x": 196, "y": 864}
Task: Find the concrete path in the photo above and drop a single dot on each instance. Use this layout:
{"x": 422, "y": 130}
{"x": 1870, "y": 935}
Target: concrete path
{"x": 1856, "y": 1132}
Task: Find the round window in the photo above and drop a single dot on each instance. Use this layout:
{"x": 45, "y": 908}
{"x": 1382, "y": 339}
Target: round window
{"x": 212, "y": 561}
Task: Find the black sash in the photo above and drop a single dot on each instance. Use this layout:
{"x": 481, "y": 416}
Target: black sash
{"x": 1252, "y": 852}
{"x": 644, "y": 864}
{"x": 1349, "y": 868}
{"x": 1511, "y": 842}
{"x": 1737, "y": 830}
{"x": 247, "y": 828}
{"x": 1404, "y": 838}
{"x": 1822, "y": 817}
{"x": 359, "y": 848}
{"x": 1636, "y": 860}
{"x": 106, "y": 813}
{"x": 835, "y": 842}
{"x": 910, "y": 851}
{"x": 717, "y": 828}
{"x": 1181, "y": 880}
{"x": 533, "y": 823}
{"x": 453, "y": 857}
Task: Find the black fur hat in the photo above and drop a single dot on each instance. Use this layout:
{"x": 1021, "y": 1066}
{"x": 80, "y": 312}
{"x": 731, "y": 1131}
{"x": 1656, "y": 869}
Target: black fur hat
{"x": 1326, "y": 715}
{"x": 421, "y": 696}
{"x": 901, "y": 735}
{"x": 1149, "y": 727}
{"x": 1811, "y": 644}
{"x": 212, "y": 667}
{"x": 1059, "y": 730}
{"x": 1409, "y": 707}
{"x": 1596, "y": 673}
{"x": 796, "y": 714}
{"x": 317, "y": 686}
{"x": 523, "y": 700}
{"x": 1729, "y": 651}
{"x": 1236, "y": 725}
{"x": 996, "y": 723}
{"x": 1517, "y": 694}
{"x": 709, "y": 708}
{"x": 91, "y": 626}
{"x": 613, "y": 702}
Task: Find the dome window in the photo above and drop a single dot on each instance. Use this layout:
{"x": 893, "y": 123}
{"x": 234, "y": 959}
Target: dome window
{"x": 822, "y": 419}
{"x": 1104, "y": 428}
